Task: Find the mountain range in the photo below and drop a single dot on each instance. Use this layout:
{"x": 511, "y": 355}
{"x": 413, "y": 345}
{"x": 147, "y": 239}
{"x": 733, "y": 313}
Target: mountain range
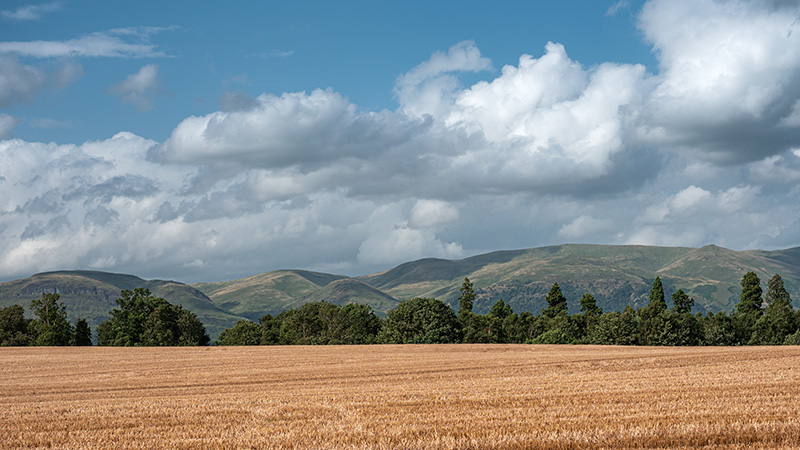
{"x": 615, "y": 275}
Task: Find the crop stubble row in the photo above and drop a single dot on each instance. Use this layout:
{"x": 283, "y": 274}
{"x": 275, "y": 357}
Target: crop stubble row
{"x": 416, "y": 397}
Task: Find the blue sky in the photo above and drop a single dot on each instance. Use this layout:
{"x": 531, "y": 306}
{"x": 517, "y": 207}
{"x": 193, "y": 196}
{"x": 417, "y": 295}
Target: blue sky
{"x": 355, "y": 48}
{"x": 208, "y": 141}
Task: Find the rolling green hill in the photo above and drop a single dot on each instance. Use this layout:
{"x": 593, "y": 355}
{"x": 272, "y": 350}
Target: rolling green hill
{"x": 616, "y": 275}
{"x": 266, "y": 293}
{"x": 350, "y": 290}
{"x": 91, "y": 295}
{"x": 273, "y": 292}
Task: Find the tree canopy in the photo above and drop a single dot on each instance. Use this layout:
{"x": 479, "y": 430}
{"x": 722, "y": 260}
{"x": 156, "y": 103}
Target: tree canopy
{"x": 51, "y": 325}
{"x": 556, "y": 302}
{"x": 144, "y": 320}
{"x": 750, "y": 299}
{"x": 420, "y": 321}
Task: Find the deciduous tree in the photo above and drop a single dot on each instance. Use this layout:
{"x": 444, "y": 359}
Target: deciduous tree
{"x": 51, "y": 324}
{"x": 14, "y": 327}
{"x": 420, "y": 321}
{"x": 144, "y": 320}
{"x": 245, "y": 332}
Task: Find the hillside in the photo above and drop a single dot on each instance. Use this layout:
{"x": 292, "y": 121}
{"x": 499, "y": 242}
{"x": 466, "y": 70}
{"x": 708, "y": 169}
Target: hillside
{"x": 615, "y": 275}
{"x": 350, "y": 290}
{"x": 91, "y": 295}
{"x": 266, "y": 293}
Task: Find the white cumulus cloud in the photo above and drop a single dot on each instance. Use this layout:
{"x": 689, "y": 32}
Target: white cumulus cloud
{"x": 704, "y": 150}
{"x": 139, "y": 88}
{"x": 432, "y": 213}
{"x": 729, "y": 77}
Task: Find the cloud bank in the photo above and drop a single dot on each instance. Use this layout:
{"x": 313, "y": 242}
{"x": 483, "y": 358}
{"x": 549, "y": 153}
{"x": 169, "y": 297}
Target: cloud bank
{"x": 706, "y": 150}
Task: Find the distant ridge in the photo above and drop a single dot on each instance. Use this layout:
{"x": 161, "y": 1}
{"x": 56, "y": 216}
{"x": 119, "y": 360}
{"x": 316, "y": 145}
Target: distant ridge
{"x": 266, "y": 293}
{"x": 616, "y": 275}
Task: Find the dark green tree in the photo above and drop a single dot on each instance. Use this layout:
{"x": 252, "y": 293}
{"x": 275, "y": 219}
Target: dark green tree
{"x": 793, "y": 339}
{"x": 145, "y": 320}
{"x": 476, "y": 328}
{"x": 682, "y": 303}
{"x": 270, "y": 330}
{"x": 51, "y": 324}
{"x": 561, "y": 329}
{"x": 676, "y": 329}
{"x": 191, "y": 330}
{"x": 556, "y": 302}
{"x": 500, "y": 310}
{"x": 615, "y": 328}
{"x": 652, "y": 318}
{"x": 778, "y": 320}
{"x": 161, "y": 325}
{"x": 321, "y": 323}
{"x": 495, "y": 322}
{"x": 467, "y": 297}
{"x": 420, "y": 321}
{"x": 14, "y": 327}
{"x": 82, "y": 336}
{"x": 606, "y": 331}
{"x": 628, "y": 327}
{"x": 772, "y": 327}
{"x": 657, "y": 300}
{"x": 361, "y": 325}
{"x": 589, "y": 305}
{"x": 590, "y": 316}
{"x": 126, "y": 325}
{"x": 776, "y": 292}
{"x": 516, "y": 327}
{"x": 750, "y": 298}
{"x": 245, "y": 332}
{"x": 718, "y": 329}
{"x": 748, "y": 310}
{"x": 305, "y": 325}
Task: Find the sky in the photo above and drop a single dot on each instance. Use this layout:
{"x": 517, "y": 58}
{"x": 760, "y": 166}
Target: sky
{"x": 208, "y": 141}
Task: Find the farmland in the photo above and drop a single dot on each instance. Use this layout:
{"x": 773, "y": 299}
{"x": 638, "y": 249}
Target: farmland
{"x": 415, "y": 397}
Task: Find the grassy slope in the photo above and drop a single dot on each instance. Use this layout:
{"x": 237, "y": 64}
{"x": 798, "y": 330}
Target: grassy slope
{"x": 615, "y": 275}
{"x": 266, "y": 293}
{"x": 350, "y": 290}
{"x": 91, "y": 295}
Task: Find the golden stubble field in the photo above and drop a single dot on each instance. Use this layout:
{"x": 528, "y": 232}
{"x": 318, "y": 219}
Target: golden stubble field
{"x": 395, "y": 397}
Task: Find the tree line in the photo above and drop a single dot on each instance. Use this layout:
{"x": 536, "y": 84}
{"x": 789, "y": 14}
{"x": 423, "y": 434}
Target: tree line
{"x": 140, "y": 320}
{"x": 758, "y": 319}
{"x": 144, "y": 320}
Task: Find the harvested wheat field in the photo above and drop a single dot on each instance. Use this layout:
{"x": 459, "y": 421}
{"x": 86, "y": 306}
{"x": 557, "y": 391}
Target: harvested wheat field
{"x": 394, "y": 397}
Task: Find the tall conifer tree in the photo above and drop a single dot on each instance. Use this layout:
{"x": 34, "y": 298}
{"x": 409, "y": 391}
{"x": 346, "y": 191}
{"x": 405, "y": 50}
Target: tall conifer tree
{"x": 750, "y": 299}
{"x": 467, "y": 297}
{"x": 556, "y": 302}
{"x": 657, "y": 300}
